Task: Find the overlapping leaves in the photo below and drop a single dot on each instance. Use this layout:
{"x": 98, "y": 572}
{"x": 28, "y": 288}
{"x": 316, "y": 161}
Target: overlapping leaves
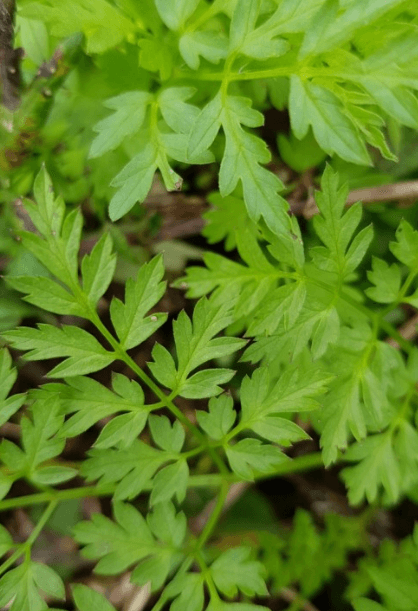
{"x": 340, "y": 86}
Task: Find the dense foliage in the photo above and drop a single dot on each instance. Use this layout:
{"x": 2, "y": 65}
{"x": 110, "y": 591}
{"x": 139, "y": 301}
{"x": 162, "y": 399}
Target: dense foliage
{"x": 290, "y": 329}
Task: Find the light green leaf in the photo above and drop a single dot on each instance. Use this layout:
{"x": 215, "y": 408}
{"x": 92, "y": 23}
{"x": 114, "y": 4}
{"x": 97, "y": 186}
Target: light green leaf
{"x": 205, "y": 127}
{"x": 97, "y": 269}
{"x": 377, "y": 466}
{"x": 47, "y": 294}
{"x": 243, "y": 156}
{"x": 6, "y": 541}
{"x": 122, "y": 430}
{"x": 89, "y": 401}
{"x": 311, "y": 104}
{"x": 141, "y": 294}
{"x": 207, "y": 43}
{"x": 175, "y": 111}
{"x": 23, "y": 583}
{"x": 243, "y": 22}
{"x": 195, "y": 345}
{"x": 130, "y": 112}
{"x": 131, "y": 468}
{"x": 336, "y": 228}
{"x": 8, "y": 375}
{"x": 387, "y": 281}
{"x": 92, "y": 17}
{"x": 171, "y": 480}
{"x": 364, "y": 604}
{"x": 234, "y": 571}
{"x": 84, "y": 351}
{"x": 249, "y": 456}
{"x": 341, "y": 28}
{"x": 175, "y": 13}
{"x": 167, "y": 437}
{"x": 87, "y": 599}
{"x": 219, "y": 419}
{"x": 406, "y": 246}
{"x": 131, "y": 539}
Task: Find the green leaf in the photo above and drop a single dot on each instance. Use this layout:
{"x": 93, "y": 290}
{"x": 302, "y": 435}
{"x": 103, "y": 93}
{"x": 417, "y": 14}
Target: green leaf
{"x": 23, "y": 583}
{"x": 45, "y": 293}
{"x": 6, "y": 541}
{"x": 84, "y": 351}
{"x": 48, "y": 581}
{"x": 208, "y": 44}
{"x": 122, "y": 430}
{"x": 249, "y": 456}
{"x": 92, "y": 17}
{"x": 97, "y": 269}
{"x": 378, "y": 466}
{"x": 395, "y": 587}
{"x": 234, "y": 571}
{"x": 336, "y": 228}
{"x": 89, "y": 401}
{"x": 131, "y": 540}
{"x": 171, "y": 480}
{"x": 406, "y": 246}
{"x": 195, "y": 345}
{"x": 219, "y": 419}
{"x": 169, "y": 528}
{"x": 174, "y": 13}
{"x": 300, "y": 154}
{"x": 340, "y": 28}
{"x": 118, "y": 544}
{"x": 387, "y": 281}
{"x": 8, "y": 375}
{"x": 40, "y": 443}
{"x": 226, "y": 220}
{"x": 131, "y": 468}
{"x": 130, "y": 112}
{"x": 167, "y": 437}
{"x": 243, "y": 156}
{"x": 294, "y": 391}
{"x": 364, "y": 604}
{"x": 129, "y": 319}
{"x": 187, "y": 589}
{"x": 219, "y": 605}
{"x": 175, "y": 111}
{"x": 87, "y": 599}
{"x": 243, "y": 22}
{"x": 205, "y": 127}
{"x": 313, "y": 105}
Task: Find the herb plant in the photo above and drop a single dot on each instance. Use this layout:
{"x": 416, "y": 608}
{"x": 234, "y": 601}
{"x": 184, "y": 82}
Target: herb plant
{"x": 293, "y": 333}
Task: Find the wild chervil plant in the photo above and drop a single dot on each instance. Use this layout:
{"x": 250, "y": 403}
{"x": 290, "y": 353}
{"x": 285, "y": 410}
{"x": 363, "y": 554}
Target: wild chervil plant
{"x": 293, "y": 310}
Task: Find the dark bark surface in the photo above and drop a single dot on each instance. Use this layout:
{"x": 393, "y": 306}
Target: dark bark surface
{"x": 9, "y": 57}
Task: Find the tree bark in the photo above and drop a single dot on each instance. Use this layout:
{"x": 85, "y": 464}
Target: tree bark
{"x": 9, "y": 57}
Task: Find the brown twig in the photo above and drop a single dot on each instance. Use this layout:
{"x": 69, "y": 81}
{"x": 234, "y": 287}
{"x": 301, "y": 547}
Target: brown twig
{"x": 407, "y": 190}
{"x": 408, "y": 331}
{"x": 291, "y": 596}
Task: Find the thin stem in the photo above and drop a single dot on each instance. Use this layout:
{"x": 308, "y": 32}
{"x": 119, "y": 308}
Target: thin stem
{"x": 211, "y": 480}
{"x": 214, "y": 516}
{"x": 204, "y": 569}
{"x": 195, "y": 481}
{"x": 25, "y": 547}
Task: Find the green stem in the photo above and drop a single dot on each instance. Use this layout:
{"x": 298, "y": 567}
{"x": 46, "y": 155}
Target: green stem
{"x": 204, "y": 569}
{"x": 211, "y": 480}
{"x": 214, "y": 517}
{"x": 25, "y": 547}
